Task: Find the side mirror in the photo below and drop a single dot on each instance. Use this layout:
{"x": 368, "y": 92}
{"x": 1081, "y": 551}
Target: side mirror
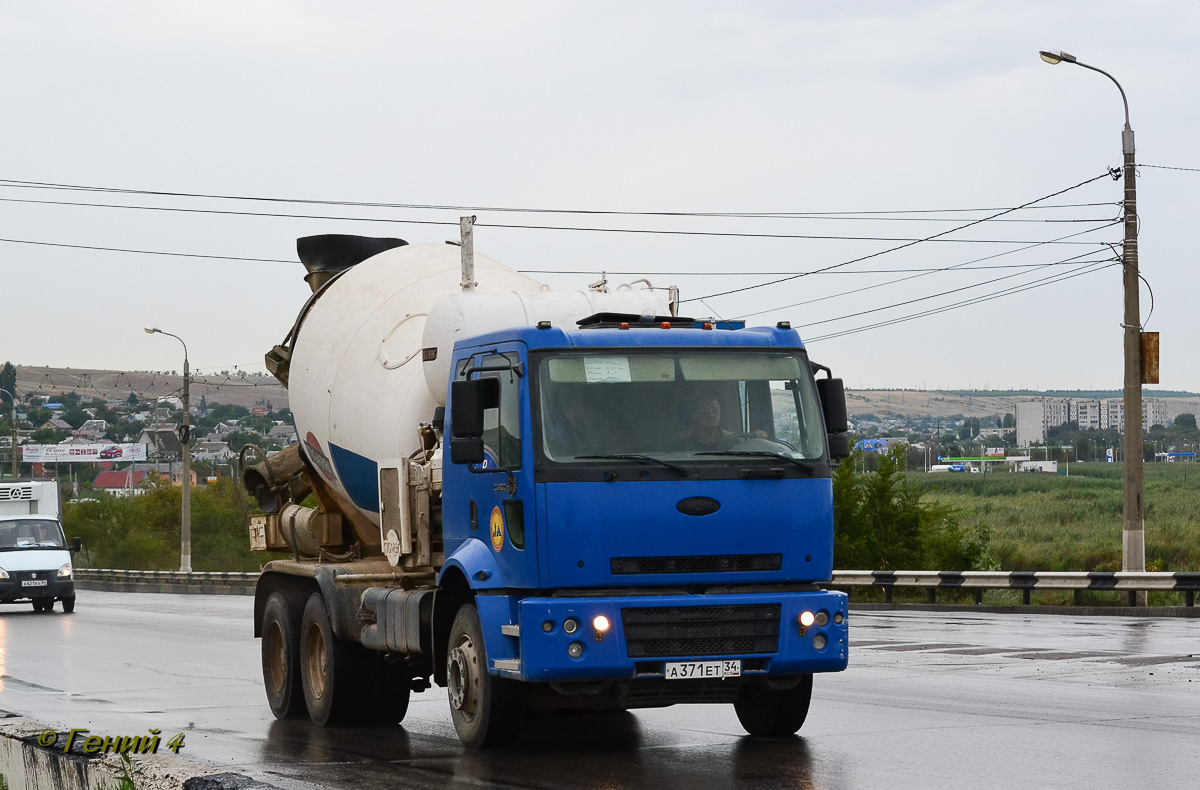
{"x": 77, "y": 545}
{"x": 468, "y": 399}
{"x": 839, "y": 446}
{"x": 833, "y": 404}
{"x": 466, "y": 450}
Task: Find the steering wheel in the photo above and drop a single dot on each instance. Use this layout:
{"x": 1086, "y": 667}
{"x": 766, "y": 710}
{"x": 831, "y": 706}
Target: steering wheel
{"x": 731, "y": 441}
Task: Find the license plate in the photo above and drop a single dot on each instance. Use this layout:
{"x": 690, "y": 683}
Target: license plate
{"x": 688, "y": 670}
{"x": 34, "y": 583}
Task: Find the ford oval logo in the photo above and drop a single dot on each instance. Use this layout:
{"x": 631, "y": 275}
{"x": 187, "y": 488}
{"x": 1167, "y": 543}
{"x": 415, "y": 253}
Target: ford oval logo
{"x": 698, "y": 506}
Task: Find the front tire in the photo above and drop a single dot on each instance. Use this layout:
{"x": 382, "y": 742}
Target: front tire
{"x": 770, "y": 712}
{"x": 486, "y": 710}
{"x": 68, "y": 605}
{"x": 281, "y": 659}
{"x": 327, "y": 667}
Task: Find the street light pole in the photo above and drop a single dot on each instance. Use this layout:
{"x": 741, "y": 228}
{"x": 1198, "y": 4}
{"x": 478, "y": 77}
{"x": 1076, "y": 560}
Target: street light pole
{"x": 185, "y": 539}
{"x": 1133, "y": 555}
{"x": 15, "y": 462}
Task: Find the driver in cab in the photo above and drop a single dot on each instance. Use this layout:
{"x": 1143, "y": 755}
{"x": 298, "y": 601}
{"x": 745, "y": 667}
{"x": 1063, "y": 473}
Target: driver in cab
{"x": 705, "y": 431}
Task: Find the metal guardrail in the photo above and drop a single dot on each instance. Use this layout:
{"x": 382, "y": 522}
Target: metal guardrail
{"x": 1025, "y": 581}
{"x": 165, "y": 581}
{"x": 160, "y": 577}
{"x": 931, "y": 581}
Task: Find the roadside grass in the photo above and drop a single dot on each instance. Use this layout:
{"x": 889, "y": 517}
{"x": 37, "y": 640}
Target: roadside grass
{"x": 1041, "y": 522}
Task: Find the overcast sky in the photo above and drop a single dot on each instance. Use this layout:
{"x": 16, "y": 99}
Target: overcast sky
{"x": 798, "y": 107}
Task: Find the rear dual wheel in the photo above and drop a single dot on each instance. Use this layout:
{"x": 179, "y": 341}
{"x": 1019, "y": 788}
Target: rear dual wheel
{"x": 43, "y": 604}
{"x": 342, "y": 682}
{"x": 281, "y": 659}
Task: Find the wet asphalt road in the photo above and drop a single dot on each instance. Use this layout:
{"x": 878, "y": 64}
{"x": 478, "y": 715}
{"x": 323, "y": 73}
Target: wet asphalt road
{"x": 930, "y": 700}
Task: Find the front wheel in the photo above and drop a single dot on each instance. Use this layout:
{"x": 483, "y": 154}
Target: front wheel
{"x": 486, "y": 710}
{"x": 68, "y": 604}
{"x": 773, "y": 712}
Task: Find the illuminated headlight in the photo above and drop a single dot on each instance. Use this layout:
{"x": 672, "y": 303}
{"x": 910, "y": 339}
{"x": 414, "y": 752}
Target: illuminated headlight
{"x": 600, "y": 623}
{"x": 65, "y": 571}
{"x": 819, "y": 642}
{"x": 575, "y": 649}
{"x": 3, "y": 574}
{"x": 807, "y": 619}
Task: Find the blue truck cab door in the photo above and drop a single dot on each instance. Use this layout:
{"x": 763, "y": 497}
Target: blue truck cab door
{"x": 493, "y": 501}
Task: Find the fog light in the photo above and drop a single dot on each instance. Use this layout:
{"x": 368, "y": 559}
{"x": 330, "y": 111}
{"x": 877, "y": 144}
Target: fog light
{"x": 819, "y": 642}
{"x": 548, "y": 626}
{"x": 600, "y": 623}
{"x": 807, "y": 619}
{"x": 575, "y": 649}
{"x": 837, "y": 618}
{"x": 571, "y": 625}
{"x": 822, "y": 618}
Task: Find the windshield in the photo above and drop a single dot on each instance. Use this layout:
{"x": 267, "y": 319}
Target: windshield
{"x": 686, "y": 405}
{"x": 31, "y": 533}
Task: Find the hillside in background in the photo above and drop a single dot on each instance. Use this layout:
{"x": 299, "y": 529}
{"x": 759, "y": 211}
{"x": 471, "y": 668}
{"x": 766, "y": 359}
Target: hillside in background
{"x": 242, "y": 389}
{"x": 234, "y": 387}
{"x": 986, "y": 403}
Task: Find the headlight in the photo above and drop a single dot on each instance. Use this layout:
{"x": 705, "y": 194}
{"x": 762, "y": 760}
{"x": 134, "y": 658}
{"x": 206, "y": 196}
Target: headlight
{"x": 807, "y": 619}
{"x": 600, "y": 623}
{"x": 65, "y": 571}
{"x": 3, "y": 574}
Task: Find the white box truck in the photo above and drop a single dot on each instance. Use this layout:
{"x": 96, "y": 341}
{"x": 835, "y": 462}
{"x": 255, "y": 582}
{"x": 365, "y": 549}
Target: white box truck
{"x": 35, "y": 562}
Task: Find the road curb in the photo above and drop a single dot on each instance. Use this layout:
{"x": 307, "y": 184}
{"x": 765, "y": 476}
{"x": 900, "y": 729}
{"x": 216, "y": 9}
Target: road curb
{"x": 26, "y": 765}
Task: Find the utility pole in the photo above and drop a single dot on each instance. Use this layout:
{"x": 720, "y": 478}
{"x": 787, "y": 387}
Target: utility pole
{"x": 185, "y": 439}
{"x": 466, "y": 229}
{"x": 1133, "y": 548}
{"x": 185, "y": 436}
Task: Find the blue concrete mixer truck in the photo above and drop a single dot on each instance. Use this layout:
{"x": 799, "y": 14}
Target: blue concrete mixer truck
{"x": 540, "y": 500}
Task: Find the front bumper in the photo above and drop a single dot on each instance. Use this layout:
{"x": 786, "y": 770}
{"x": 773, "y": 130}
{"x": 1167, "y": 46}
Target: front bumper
{"x": 12, "y": 589}
{"x": 761, "y": 630}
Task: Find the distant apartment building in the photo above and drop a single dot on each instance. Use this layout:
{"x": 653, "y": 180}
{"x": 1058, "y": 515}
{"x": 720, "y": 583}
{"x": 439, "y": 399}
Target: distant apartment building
{"x": 1036, "y": 417}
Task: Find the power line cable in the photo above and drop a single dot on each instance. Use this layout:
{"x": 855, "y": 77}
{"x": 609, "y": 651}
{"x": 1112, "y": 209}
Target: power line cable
{"x": 930, "y": 296}
{"x": 523, "y": 226}
{"x": 911, "y": 243}
{"x": 512, "y": 209}
{"x": 1168, "y": 167}
{"x": 959, "y": 266}
{"x": 143, "y": 252}
{"x": 1089, "y": 269}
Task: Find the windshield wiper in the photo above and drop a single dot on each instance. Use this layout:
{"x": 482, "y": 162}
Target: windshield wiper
{"x": 808, "y": 466}
{"x": 631, "y": 457}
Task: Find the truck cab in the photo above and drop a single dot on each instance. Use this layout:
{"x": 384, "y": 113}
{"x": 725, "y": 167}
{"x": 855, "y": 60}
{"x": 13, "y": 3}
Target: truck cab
{"x": 643, "y": 511}
{"x": 35, "y": 562}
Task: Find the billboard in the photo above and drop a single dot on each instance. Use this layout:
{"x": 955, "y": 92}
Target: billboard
{"x": 81, "y": 453}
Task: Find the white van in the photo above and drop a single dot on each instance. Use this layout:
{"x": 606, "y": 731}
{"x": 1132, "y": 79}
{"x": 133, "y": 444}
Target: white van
{"x": 35, "y": 563}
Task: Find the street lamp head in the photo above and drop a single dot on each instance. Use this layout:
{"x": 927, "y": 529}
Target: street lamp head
{"x": 1054, "y": 58}
{"x": 150, "y": 330}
